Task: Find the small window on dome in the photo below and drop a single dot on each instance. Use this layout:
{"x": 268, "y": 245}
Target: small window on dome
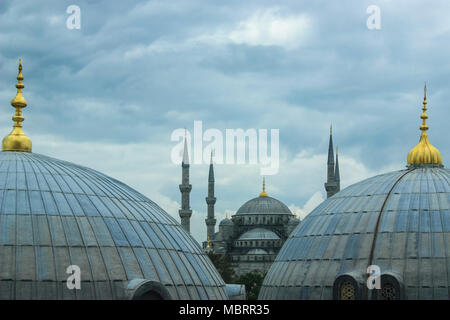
{"x": 387, "y": 292}
{"x": 347, "y": 291}
{"x": 390, "y": 288}
{"x": 345, "y": 287}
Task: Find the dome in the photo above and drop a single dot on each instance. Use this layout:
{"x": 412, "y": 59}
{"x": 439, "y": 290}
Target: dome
{"x": 55, "y": 214}
{"x": 263, "y": 205}
{"x": 259, "y": 234}
{"x": 257, "y": 251}
{"x": 398, "y": 221}
{"x": 226, "y": 222}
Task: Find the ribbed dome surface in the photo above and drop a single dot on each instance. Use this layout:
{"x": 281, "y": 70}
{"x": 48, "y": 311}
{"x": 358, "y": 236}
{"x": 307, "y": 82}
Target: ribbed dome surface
{"x": 54, "y": 214}
{"x": 259, "y": 234}
{"x": 412, "y": 208}
{"x": 264, "y": 205}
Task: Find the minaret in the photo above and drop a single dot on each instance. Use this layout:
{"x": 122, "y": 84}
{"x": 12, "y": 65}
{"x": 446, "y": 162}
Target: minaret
{"x": 210, "y": 201}
{"x": 17, "y": 140}
{"x": 337, "y": 176}
{"x": 185, "y": 188}
{"x": 331, "y": 185}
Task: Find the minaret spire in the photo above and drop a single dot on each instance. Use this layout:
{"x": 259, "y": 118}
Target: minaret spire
{"x": 337, "y": 176}
{"x": 210, "y": 201}
{"x": 331, "y": 186}
{"x": 185, "y": 212}
{"x": 17, "y": 140}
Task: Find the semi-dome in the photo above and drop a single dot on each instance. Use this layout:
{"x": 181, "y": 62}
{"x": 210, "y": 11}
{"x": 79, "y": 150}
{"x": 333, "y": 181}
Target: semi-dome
{"x": 259, "y": 234}
{"x": 56, "y": 217}
{"x": 257, "y": 251}
{"x": 397, "y": 223}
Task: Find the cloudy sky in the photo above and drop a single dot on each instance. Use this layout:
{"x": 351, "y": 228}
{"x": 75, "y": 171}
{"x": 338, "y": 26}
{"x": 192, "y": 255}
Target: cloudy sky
{"x": 110, "y": 94}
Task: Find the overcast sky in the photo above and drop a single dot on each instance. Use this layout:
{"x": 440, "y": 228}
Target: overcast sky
{"x": 109, "y": 95}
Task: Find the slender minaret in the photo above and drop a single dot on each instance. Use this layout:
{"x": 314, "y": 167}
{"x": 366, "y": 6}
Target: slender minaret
{"x": 331, "y": 185}
{"x": 210, "y": 201}
{"x": 185, "y": 188}
{"x": 337, "y": 176}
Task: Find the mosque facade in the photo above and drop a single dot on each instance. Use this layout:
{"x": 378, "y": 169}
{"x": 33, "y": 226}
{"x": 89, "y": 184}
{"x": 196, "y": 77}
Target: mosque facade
{"x": 254, "y": 235}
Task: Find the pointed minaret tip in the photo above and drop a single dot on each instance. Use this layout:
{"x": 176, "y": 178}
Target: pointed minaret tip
{"x": 185, "y": 151}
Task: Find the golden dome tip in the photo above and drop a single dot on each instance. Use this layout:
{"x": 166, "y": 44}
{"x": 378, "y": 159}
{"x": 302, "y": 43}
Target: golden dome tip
{"x": 17, "y": 140}
{"x": 424, "y": 153}
{"x": 263, "y": 193}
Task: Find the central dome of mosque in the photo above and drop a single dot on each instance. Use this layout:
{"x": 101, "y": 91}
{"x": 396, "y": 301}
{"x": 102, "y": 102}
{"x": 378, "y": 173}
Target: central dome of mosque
{"x": 263, "y": 205}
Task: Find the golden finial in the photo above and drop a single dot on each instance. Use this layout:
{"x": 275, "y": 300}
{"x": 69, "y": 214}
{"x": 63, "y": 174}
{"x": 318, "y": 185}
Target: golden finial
{"x": 208, "y": 245}
{"x": 263, "y": 193}
{"x": 17, "y": 140}
{"x": 424, "y": 152}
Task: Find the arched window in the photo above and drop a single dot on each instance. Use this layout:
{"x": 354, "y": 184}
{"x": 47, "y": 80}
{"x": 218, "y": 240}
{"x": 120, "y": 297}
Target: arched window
{"x": 388, "y": 292}
{"x": 347, "y": 291}
{"x": 345, "y": 287}
{"x": 390, "y": 288}
{"x": 141, "y": 289}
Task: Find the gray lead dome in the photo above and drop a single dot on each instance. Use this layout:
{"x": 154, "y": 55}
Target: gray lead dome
{"x": 55, "y": 214}
{"x": 264, "y": 205}
{"x": 399, "y": 221}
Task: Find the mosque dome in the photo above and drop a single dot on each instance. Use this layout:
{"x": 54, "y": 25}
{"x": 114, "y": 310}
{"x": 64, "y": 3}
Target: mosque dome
{"x": 259, "y": 234}
{"x": 55, "y": 215}
{"x": 226, "y": 222}
{"x": 263, "y": 205}
{"x": 293, "y": 221}
{"x": 257, "y": 251}
{"x": 398, "y": 222}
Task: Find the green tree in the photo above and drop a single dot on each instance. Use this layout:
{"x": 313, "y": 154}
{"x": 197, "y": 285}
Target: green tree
{"x": 253, "y": 282}
{"x": 222, "y": 263}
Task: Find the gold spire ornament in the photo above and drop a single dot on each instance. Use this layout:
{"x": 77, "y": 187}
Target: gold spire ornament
{"x": 424, "y": 153}
{"x": 263, "y": 193}
{"x": 17, "y": 140}
{"x": 208, "y": 246}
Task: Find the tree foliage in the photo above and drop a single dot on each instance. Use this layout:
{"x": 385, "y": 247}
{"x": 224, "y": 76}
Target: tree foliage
{"x": 253, "y": 282}
{"x": 223, "y": 265}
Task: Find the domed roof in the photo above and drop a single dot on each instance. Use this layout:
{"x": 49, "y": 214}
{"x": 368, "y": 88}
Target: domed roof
{"x": 259, "y": 234}
{"x": 399, "y": 221}
{"x": 264, "y": 205}
{"x": 257, "y": 251}
{"x": 54, "y": 214}
{"x": 226, "y": 222}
